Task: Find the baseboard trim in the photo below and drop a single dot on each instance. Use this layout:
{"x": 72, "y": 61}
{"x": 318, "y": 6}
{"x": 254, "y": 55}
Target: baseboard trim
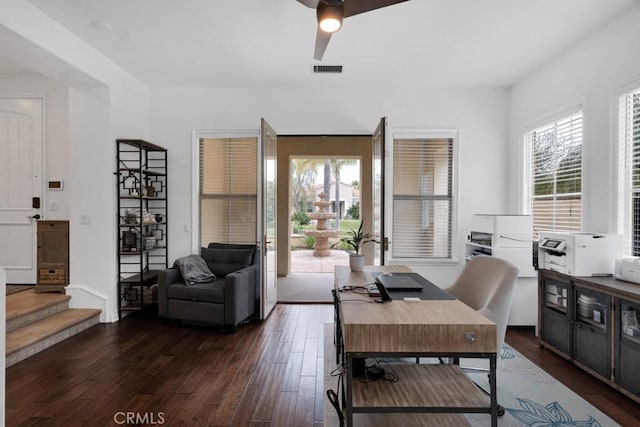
{"x": 83, "y": 296}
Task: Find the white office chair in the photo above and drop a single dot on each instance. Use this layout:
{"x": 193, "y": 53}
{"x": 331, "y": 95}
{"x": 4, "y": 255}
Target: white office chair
{"x": 487, "y": 284}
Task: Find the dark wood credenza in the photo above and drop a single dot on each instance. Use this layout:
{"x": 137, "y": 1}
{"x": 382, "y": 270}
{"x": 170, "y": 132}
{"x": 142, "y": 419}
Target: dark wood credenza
{"x": 589, "y": 321}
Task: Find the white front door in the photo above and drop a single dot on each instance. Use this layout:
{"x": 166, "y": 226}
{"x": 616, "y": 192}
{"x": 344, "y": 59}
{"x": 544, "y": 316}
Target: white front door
{"x": 21, "y": 170}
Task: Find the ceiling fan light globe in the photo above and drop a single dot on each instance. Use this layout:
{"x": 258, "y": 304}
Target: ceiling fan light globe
{"x": 330, "y": 17}
{"x": 330, "y": 25}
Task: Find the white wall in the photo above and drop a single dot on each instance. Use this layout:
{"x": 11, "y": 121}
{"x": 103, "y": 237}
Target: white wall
{"x": 480, "y": 114}
{"x": 81, "y": 125}
{"x": 101, "y": 102}
{"x": 592, "y": 72}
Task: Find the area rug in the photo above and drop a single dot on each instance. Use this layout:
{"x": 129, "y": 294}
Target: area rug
{"x": 531, "y": 397}
{"x": 12, "y": 289}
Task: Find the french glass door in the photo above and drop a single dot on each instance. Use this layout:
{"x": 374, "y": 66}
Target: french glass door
{"x": 269, "y": 297}
{"x": 379, "y": 143}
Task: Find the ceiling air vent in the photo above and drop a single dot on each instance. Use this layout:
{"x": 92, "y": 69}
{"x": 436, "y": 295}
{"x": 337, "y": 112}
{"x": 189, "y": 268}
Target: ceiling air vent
{"x": 327, "y": 69}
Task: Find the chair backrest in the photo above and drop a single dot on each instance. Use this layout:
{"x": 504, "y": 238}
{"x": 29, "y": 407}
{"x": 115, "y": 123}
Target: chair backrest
{"x": 487, "y": 285}
{"x": 255, "y": 260}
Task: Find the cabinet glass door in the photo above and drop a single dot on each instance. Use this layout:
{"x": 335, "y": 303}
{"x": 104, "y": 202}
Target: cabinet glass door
{"x": 591, "y": 333}
{"x": 556, "y": 295}
{"x": 627, "y": 346}
{"x": 555, "y": 317}
{"x": 591, "y": 308}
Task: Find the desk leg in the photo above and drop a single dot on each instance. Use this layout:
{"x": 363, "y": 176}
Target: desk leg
{"x": 494, "y": 390}
{"x": 348, "y": 387}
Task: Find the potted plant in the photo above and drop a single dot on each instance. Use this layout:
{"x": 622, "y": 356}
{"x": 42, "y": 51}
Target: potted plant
{"x": 356, "y": 240}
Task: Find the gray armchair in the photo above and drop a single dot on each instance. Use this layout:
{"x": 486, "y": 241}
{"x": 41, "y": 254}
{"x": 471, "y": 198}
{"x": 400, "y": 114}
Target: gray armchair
{"x": 226, "y": 301}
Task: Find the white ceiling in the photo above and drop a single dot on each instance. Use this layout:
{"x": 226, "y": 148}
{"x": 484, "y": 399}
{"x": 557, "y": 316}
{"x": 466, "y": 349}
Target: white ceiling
{"x": 239, "y": 43}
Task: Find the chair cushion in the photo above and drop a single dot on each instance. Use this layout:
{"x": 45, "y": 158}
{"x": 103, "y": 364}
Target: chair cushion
{"x": 224, "y": 261}
{"x": 194, "y": 270}
{"x": 202, "y": 292}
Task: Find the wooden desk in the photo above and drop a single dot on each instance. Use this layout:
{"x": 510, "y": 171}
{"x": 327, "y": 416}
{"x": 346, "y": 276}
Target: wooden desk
{"x": 428, "y": 328}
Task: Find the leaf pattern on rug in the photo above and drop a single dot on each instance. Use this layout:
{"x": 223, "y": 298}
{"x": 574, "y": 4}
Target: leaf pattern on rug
{"x": 507, "y": 352}
{"x": 553, "y": 414}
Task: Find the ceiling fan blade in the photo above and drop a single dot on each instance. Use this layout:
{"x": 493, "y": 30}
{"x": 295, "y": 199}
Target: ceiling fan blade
{"x": 355, "y": 7}
{"x": 310, "y": 3}
{"x": 322, "y": 40}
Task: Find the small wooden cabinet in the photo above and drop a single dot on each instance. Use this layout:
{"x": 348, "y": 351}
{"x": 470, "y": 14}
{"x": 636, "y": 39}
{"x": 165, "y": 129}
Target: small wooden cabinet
{"x": 53, "y": 256}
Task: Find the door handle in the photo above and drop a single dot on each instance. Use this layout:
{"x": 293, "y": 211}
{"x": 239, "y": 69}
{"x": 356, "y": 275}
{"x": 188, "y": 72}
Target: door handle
{"x": 36, "y": 216}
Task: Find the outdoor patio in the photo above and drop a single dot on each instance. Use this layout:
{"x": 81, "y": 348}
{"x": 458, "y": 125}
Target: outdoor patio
{"x": 303, "y": 261}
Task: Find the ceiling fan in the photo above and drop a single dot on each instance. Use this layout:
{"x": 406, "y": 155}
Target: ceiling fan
{"x": 330, "y": 14}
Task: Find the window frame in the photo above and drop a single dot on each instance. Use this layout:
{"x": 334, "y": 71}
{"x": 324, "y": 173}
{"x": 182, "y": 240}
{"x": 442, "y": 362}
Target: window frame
{"x": 423, "y": 133}
{"x": 197, "y": 135}
{"x": 526, "y": 190}
{"x": 620, "y": 190}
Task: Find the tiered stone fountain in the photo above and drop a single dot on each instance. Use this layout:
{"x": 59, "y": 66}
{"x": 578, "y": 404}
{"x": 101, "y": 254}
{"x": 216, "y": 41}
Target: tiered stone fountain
{"x": 322, "y": 233}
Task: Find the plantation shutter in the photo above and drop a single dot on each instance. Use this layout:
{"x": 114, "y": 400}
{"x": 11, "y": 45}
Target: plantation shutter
{"x": 422, "y": 198}
{"x": 554, "y": 159}
{"x": 629, "y": 172}
{"x": 228, "y": 190}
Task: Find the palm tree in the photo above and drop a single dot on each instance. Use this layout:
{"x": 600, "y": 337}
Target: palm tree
{"x": 303, "y": 175}
{"x": 327, "y": 177}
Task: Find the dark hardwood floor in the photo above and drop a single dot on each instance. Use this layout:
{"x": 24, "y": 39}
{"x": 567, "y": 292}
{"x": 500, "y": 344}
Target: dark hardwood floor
{"x": 267, "y": 374}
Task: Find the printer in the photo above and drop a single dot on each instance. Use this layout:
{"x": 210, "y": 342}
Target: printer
{"x": 628, "y": 269}
{"x": 579, "y": 254}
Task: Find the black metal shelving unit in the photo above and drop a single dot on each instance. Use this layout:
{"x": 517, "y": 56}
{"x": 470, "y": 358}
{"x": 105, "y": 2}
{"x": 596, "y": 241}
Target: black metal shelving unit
{"x": 142, "y": 215}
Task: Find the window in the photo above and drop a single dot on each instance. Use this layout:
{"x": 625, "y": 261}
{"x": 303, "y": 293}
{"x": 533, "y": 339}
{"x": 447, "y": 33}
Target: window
{"x": 228, "y": 190}
{"x": 629, "y": 171}
{"x": 422, "y": 197}
{"x": 553, "y": 174}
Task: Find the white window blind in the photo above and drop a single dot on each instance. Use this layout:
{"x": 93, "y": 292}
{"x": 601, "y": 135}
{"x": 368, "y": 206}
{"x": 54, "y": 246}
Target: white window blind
{"x": 553, "y": 181}
{"x": 422, "y": 198}
{"x": 629, "y": 171}
{"x": 228, "y": 190}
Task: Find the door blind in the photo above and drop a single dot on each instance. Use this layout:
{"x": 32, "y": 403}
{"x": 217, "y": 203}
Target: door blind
{"x": 629, "y": 171}
{"x": 554, "y": 162}
{"x": 422, "y": 198}
{"x": 228, "y": 190}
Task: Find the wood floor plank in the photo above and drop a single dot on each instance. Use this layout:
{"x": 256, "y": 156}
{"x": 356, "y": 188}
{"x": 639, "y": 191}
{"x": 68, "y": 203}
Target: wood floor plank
{"x": 292, "y": 376}
{"x": 285, "y": 409}
{"x": 271, "y": 387}
{"x": 247, "y": 407}
{"x": 310, "y": 357}
{"x": 305, "y": 403}
{"x": 320, "y": 393}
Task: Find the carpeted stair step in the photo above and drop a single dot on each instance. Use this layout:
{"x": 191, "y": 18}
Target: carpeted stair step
{"x": 28, "y": 307}
{"x": 28, "y": 340}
